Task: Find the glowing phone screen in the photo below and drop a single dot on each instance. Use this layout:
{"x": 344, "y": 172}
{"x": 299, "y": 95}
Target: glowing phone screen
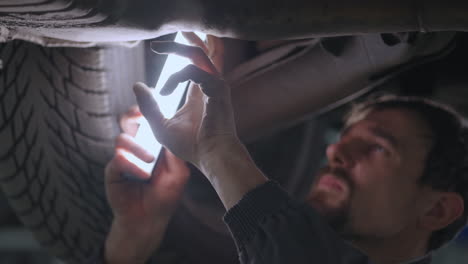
{"x": 167, "y": 104}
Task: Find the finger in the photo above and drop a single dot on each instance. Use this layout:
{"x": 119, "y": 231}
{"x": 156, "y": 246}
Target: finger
{"x": 176, "y": 164}
{"x": 193, "y": 39}
{"x": 129, "y": 144}
{"x": 211, "y": 85}
{"x": 130, "y": 126}
{"x": 168, "y": 183}
{"x": 120, "y": 166}
{"x": 129, "y": 122}
{"x": 133, "y": 112}
{"x": 150, "y": 109}
{"x": 195, "y": 54}
{"x": 111, "y": 171}
{"x": 194, "y": 96}
{"x": 216, "y": 50}
{"x": 125, "y": 168}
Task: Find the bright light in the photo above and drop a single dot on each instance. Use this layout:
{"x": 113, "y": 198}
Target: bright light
{"x": 167, "y": 104}
{"x": 133, "y": 159}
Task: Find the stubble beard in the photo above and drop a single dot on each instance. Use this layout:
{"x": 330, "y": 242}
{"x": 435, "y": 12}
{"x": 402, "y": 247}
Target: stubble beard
{"x": 338, "y": 215}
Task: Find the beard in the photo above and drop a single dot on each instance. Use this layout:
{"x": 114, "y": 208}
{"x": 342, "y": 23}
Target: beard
{"x": 335, "y": 210}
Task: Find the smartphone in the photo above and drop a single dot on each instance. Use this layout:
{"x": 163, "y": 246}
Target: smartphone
{"x": 167, "y": 104}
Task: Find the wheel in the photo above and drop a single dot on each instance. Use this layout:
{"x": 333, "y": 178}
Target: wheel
{"x": 58, "y": 118}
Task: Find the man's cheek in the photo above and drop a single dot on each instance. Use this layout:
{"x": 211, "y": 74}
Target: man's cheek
{"x": 372, "y": 215}
{"x": 362, "y": 218}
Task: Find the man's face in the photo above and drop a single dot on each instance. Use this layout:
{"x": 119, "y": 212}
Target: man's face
{"x": 370, "y": 187}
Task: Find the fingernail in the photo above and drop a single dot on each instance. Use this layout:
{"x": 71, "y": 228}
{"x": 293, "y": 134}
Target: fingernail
{"x": 134, "y": 111}
{"x": 138, "y": 86}
{"x": 139, "y": 89}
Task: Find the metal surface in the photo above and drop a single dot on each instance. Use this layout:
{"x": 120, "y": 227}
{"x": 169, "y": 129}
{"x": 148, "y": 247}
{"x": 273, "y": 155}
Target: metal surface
{"x": 297, "y": 85}
{"x": 125, "y": 20}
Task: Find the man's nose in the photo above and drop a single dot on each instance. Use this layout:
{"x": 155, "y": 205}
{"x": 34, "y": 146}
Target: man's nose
{"x": 338, "y": 154}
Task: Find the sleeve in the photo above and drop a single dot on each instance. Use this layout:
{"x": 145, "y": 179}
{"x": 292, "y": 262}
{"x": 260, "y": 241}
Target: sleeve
{"x": 269, "y": 227}
{"x": 97, "y": 258}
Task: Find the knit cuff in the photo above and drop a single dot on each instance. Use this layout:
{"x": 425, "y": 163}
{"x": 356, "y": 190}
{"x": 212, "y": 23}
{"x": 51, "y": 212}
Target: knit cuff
{"x": 244, "y": 219}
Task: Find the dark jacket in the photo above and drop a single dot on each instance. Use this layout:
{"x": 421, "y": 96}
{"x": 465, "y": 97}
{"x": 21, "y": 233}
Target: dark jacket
{"x": 269, "y": 227}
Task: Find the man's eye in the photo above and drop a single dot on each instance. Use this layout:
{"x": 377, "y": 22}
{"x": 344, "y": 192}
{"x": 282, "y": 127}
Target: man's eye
{"x": 378, "y": 148}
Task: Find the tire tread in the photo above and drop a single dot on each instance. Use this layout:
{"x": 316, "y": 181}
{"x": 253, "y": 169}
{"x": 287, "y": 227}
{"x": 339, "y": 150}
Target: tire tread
{"x": 56, "y": 128}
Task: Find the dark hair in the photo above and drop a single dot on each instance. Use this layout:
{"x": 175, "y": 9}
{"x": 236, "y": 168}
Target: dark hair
{"x": 446, "y": 167}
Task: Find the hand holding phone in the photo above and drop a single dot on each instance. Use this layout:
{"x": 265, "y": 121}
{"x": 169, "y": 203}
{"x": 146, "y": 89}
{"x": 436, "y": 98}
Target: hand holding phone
{"x": 168, "y": 105}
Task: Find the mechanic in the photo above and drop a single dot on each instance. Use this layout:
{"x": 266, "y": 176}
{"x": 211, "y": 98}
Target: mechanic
{"x": 393, "y": 191}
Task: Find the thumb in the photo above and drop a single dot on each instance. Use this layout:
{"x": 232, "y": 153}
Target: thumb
{"x": 168, "y": 182}
{"x": 150, "y": 109}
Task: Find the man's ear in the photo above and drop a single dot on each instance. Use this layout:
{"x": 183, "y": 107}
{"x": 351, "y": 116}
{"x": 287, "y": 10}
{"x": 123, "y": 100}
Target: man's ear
{"x": 444, "y": 210}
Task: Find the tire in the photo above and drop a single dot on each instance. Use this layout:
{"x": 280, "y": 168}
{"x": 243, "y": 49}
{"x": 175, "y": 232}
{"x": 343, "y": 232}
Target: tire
{"x": 58, "y": 117}
{"x": 81, "y": 22}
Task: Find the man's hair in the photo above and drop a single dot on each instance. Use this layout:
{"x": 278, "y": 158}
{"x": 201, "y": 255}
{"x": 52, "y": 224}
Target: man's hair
{"x": 446, "y": 167}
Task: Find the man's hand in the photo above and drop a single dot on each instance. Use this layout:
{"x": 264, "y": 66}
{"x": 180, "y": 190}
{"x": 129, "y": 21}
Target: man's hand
{"x": 142, "y": 209}
{"x": 203, "y": 131}
{"x": 206, "y": 121}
